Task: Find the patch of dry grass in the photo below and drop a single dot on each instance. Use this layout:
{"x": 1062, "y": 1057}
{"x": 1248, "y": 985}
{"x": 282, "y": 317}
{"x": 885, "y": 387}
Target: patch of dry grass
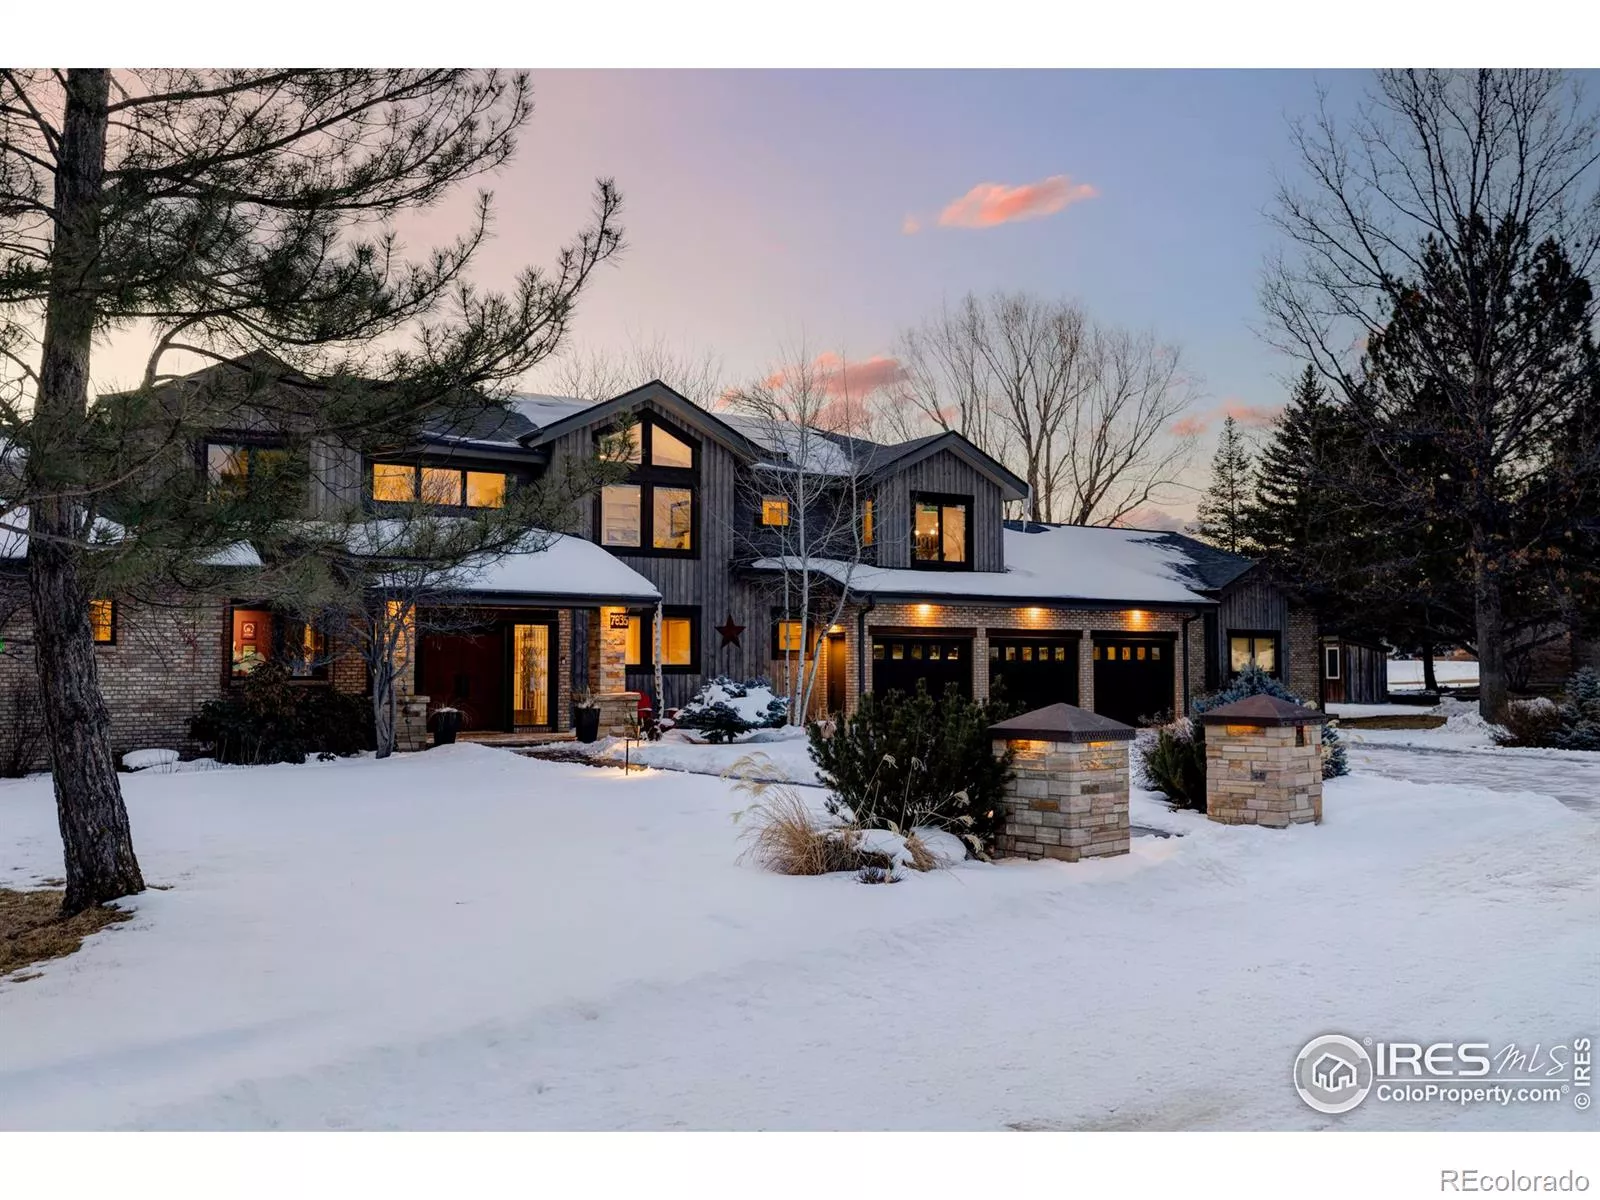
{"x": 1419, "y": 721}
{"x": 32, "y": 931}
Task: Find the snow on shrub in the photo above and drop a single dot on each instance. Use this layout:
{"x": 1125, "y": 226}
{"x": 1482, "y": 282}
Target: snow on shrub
{"x": 139, "y": 760}
{"x": 724, "y": 709}
{"x": 1572, "y": 723}
{"x": 1173, "y": 760}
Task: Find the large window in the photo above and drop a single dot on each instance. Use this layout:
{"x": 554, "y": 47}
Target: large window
{"x": 939, "y": 533}
{"x": 656, "y": 510}
{"x": 450, "y": 487}
{"x": 261, "y": 635}
{"x": 1252, "y": 650}
{"x": 234, "y": 469}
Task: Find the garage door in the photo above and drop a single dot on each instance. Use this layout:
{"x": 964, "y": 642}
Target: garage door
{"x": 898, "y": 662}
{"x": 1035, "y": 671}
{"x": 1133, "y": 678}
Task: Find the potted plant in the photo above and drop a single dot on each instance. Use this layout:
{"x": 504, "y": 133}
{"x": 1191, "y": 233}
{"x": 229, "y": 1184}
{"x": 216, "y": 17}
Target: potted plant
{"x": 446, "y": 724}
{"x": 586, "y": 717}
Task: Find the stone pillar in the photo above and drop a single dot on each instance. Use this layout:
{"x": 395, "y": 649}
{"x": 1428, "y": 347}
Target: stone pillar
{"x": 1263, "y": 763}
{"x": 619, "y": 714}
{"x": 613, "y": 650}
{"x": 1068, "y": 798}
{"x": 411, "y": 724}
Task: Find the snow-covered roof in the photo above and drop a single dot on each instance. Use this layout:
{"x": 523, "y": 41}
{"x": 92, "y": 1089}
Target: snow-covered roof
{"x": 822, "y": 454}
{"x": 14, "y": 532}
{"x": 541, "y": 410}
{"x": 565, "y": 566}
{"x": 1044, "y": 563}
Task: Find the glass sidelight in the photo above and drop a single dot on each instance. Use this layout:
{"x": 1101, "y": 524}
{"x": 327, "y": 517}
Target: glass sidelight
{"x": 532, "y": 677}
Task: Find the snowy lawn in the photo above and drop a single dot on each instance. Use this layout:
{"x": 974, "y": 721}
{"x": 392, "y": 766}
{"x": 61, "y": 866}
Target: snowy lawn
{"x": 469, "y": 939}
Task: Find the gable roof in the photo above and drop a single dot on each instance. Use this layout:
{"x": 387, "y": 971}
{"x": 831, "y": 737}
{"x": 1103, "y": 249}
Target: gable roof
{"x": 565, "y": 415}
{"x": 905, "y": 454}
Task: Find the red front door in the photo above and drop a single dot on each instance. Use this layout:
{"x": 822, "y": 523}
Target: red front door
{"x": 466, "y": 671}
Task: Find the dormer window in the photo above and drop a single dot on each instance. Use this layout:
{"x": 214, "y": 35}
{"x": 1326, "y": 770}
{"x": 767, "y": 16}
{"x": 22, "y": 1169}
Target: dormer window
{"x": 940, "y": 531}
{"x": 657, "y": 510}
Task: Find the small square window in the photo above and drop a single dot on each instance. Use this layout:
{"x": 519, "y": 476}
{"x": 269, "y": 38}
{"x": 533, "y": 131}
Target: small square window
{"x": 775, "y": 512}
{"x": 897, "y": 652}
{"x": 935, "y": 653}
{"x": 877, "y": 651}
{"x": 486, "y": 489}
{"x": 1155, "y": 653}
{"x": 954, "y": 654}
{"x": 1027, "y": 654}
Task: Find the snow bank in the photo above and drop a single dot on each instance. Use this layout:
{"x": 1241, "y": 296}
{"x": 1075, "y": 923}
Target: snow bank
{"x": 139, "y": 760}
{"x": 1406, "y": 674}
{"x": 469, "y": 939}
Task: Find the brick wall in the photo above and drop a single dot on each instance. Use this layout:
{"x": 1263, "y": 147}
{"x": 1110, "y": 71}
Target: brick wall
{"x": 983, "y": 618}
{"x": 1303, "y": 669}
{"x": 165, "y": 662}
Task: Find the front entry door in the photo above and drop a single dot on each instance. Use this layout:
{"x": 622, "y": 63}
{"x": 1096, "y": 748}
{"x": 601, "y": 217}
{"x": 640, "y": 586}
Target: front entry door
{"x": 466, "y": 671}
{"x": 836, "y": 674}
{"x": 1133, "y": 678}
{"x": 533, "y": 678}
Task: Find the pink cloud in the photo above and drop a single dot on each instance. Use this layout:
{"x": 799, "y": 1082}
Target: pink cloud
{"x": 990, "y": 204}
{"x": 1147, "y": 516}
{"x": 1252, "y": 416}
{"x": 843, "y": 380}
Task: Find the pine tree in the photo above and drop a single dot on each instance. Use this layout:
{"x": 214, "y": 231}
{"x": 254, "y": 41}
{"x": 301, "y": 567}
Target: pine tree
{"x": 1222, "y": 513}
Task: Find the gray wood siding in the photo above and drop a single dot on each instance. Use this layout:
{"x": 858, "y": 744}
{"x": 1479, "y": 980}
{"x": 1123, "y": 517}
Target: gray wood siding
{"x": 705, "y": 581}
{"x": 946, "y": 473}
{"x": 1251, "y": 603}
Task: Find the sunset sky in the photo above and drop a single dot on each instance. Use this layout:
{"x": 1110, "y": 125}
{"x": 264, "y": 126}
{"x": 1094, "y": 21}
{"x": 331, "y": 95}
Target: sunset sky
{"x": 763, "y": 208}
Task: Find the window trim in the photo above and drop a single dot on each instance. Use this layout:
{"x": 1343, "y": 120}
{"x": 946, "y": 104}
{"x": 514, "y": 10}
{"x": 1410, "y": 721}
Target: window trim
{"x": 1256, "y": 635}
{"x": 646, "y": 477}
{"x": 111, "y": 624}
{"x": 943, "y": 500}
{"x": 1332, "y": 656}
{"x": 777, "y": 653}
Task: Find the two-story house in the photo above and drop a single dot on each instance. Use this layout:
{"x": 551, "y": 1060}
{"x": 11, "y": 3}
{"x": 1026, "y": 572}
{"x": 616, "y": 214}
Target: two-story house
{"x": 672, "y": 574}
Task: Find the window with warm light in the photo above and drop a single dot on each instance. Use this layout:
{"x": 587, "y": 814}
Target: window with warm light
{"x": 235, "y": 469}
{"x": 633, "y": 644}
{"x": 939, "y": 529}
{"x": 261, "y": 635}
{"x": 678, "y": 641}
{"x": 620, "y": 515}
{"x": 787, "y": 637}
{"x": 774, "y": 512}
{"x": 655, "y": 512}
{"x": 866, "y": 523}
{"x": 103, "y": 621}
{"x": 447, "y": 487}
{"x": 1253, "y": 650}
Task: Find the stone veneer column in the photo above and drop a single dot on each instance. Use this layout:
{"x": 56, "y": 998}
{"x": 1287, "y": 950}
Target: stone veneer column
{"x": 1263, "y": 763}
{"x": 1068, "y": 799}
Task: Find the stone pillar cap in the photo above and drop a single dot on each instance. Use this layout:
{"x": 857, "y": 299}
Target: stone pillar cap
{"x": 1062, "y": 723}
{"x": 1263, "y": 711}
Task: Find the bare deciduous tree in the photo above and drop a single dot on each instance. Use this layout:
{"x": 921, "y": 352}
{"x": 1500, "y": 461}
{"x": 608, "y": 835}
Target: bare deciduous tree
{"x": 1081, "y": 411}
{"x": 1444, "y": 202}
{"x": 806, "y": 501}
{"x": 600, "y": 374}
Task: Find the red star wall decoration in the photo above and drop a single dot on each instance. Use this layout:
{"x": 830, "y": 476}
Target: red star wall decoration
{"x": 729, "y": 631}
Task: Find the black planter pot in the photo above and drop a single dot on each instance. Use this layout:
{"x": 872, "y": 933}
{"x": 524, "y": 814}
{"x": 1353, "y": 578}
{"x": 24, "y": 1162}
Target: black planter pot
{"x": 587, "y": 723}
{"x": 446, "y": 724}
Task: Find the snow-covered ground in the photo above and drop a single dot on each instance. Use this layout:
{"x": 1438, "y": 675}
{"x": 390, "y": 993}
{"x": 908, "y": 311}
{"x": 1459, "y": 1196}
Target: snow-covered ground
{"x": 1406, "y": 674}
{"x": 470, "y": 939}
